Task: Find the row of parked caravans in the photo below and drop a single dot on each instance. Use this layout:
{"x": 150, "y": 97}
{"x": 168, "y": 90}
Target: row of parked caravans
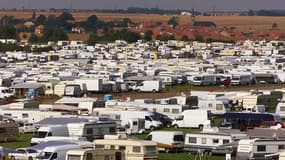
{"x": 234, "y": 79}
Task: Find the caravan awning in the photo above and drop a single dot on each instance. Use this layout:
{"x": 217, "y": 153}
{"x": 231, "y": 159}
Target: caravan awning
{"x": 27, "y": 86}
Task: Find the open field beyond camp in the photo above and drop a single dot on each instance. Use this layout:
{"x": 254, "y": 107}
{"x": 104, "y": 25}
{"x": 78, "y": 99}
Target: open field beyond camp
{"x": 243, "y": 23}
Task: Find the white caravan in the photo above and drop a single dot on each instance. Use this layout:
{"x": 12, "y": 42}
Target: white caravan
{"x": 197, "y": 118}
{"x": 242, "y": 79}
{"x": 216, "y": 142}
{"x": 215, "y": 106}
{"x": 259, "y": 148}
{"x": 167, "y": 140}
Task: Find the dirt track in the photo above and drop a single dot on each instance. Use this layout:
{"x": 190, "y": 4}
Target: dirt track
{"x": 176, "y": 91}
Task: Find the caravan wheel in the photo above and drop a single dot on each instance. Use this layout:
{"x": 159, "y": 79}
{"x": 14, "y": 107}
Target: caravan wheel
{"x": 201, "y": 126}
{"x": 176, "y": 126}
{"x": 30, "y": 158}
{"x": 13, "y": 158}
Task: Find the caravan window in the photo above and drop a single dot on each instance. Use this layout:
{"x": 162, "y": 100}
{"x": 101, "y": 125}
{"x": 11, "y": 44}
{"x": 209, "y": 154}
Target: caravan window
{"x": 89, "y": 131}
{"x": 166, "y": 110}
{"x": 282, "y": 108}
{"x": 25, "y": 115}
{"x": 281, "y": 147}
{"x": 89, "y": 156}
{"x": 150, "y": 149}
{"x": 178, "y": 138}
{"x": 40, "y": 134}
{"x": 122, "y": 148}
{"x": 2, "y": 130}
{"x": 204, "y": 140}
{"x": 215, "y": 141}
{"x": 192, "y": 140}
{"x": 226, "y": 141}
{"x": 137, "y": 149}
{"x": 175, "y": 110}
{"x": 261, "y": 148}
{"x": 210, "y": 105}
{"x": 219, "y": 107}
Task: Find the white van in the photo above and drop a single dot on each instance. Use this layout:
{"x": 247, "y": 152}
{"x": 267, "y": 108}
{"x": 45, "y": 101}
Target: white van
{"x": 197, "y": 118}
{"x": 203, "y": 80}
{"x": 5, "y": 92}
{"x": 56, "y": 152}
{"x": 167, "y": 140}
{"x": 149, "y": 86}
{"x": 48, "y": 131}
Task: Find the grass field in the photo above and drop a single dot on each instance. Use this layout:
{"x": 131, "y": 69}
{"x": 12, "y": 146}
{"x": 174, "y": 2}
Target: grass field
{"x": 243, "y": 23}
{"x": 23, "y": 141}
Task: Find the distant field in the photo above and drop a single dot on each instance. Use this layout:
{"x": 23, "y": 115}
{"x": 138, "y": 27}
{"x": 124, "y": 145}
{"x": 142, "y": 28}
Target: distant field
{"x": 243, "y": 23}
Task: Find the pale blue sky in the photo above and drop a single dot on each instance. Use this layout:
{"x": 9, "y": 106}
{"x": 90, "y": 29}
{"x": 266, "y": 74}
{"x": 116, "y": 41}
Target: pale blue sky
{"x": 201, "y": 5}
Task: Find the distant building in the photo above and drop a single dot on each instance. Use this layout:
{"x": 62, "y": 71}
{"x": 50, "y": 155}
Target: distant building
{"x": 78, "y": 30}
{"x": 39, "y": 29}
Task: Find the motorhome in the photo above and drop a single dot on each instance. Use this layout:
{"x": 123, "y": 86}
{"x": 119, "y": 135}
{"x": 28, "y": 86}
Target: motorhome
{"x": 133, "y": 149}
{"x": 196, "y": 118}
{"x": 203, "y": 80}
{"x": 8, "y": 131}
{"x": 151, "y": 121}
{"x": 94, "y": 154}
{"x": 241, "y": 79}
{"x": 167, "y": 140}
{"x": 216, "y": 142}
{"x": 149, "y": 86}
{"x": 259, "y": 148}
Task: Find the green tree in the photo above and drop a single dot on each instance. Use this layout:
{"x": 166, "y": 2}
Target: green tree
{"x": 165, "y": 37}
{"x": 91, "y": 23}
{"x": 173, "y": 21}
{"x": 251, "y": 13}
{"x": 93, "y": 39}
{"x": 184, "y": 38}
{"x": 148, "y": 35}
{"x": 53, "y": 34}
{"x": 34, "y": 39}
{"x": 199, "y": 38}
{"x": 8, "y": 31}
{"x": 41, "y": 19}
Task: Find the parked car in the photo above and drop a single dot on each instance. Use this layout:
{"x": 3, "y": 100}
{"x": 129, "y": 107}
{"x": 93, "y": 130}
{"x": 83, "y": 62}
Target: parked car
{"x": 28, "y": 127}
{"x": 23, "y": 154}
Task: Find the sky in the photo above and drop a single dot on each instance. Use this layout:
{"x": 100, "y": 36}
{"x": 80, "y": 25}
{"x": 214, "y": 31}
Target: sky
{"x": 200, "y": 5}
